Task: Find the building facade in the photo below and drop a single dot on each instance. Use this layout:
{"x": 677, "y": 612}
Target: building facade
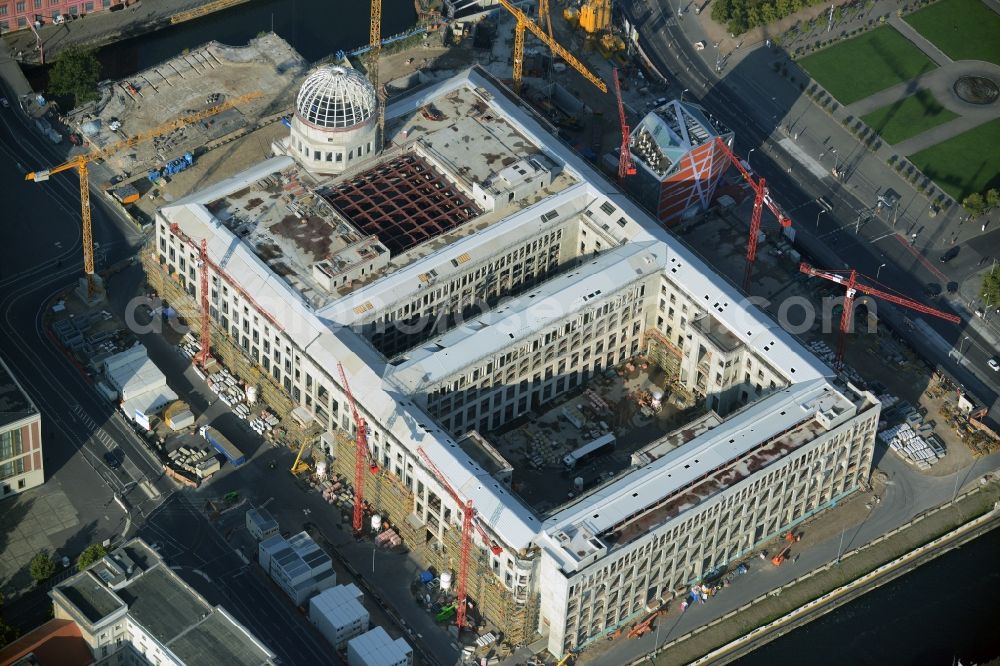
{"x": 20, "y": 14}
{"x": 21, "y": 465}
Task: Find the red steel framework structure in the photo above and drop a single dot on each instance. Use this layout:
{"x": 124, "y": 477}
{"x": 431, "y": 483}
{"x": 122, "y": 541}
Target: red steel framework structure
{"x": 625, "y": 165}
{"x": 206, "y": 331}
{"x": 468, "y": 524}
{"x": 851, "y": 284}
{"x": 761, "y": 196}
{"x": 360, "y": 454}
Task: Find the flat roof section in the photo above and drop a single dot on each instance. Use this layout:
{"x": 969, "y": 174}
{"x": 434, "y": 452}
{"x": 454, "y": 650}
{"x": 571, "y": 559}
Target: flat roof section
{"x": 218, "y": 640}
{"x": 15, "y": 404}
{"x": 162, "y": 603}
{"x": 403, "y": 202}
{"x": 90, "y": 597}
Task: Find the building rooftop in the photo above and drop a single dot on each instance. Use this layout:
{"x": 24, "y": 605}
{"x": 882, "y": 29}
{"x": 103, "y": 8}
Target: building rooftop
{"x": 134, "y": 580}
{"x": 55, "y": 643}
{"x": 377, "y": 647}
{"x": 91, "y": 597}
{"x": 164, "y": 608}
{"x": 15, "y": 405}
{"x": 666, "y": 134}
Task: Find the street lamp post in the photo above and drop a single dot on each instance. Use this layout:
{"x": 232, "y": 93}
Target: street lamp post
{"x": 682, "y": 94}
{"x": 878, "y": 270}
{"x": 817, "y": 217}
{"x": 748, "y": 157}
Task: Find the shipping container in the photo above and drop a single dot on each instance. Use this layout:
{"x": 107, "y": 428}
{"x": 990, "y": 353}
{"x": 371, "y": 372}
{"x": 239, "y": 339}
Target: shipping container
{"x": 223, "y": 445}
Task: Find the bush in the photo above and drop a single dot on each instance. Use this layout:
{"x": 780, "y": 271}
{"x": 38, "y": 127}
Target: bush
{"x": 91, "y": 554}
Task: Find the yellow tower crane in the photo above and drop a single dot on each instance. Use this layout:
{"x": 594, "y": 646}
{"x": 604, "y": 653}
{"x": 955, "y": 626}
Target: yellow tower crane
{"x": 81, "y": 162}
{"x": 374, "y": 51}
{"x": 522, "y": 23}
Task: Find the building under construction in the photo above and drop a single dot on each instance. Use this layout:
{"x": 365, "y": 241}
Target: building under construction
{"x": 679, "y": 160}
{"x": 471, "y": 275}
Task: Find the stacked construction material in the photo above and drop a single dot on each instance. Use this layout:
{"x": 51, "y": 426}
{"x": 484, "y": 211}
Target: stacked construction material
{"x": 913, "y": 448}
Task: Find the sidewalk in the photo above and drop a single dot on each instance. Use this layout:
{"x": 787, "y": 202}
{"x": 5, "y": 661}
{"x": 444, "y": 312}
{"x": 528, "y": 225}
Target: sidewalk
{"x": 94, "y": 29}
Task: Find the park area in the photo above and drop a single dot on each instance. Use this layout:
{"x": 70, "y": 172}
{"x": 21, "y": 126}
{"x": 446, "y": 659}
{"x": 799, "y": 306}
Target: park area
{"x": 873, "y": 61}
{"x": 908, "y": 117}
{"x": 963, "y": 29}
{"x": 966, "y": 163}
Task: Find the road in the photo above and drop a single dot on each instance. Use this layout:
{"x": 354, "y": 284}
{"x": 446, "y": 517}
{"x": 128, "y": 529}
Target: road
{"x": 759, "y": 105}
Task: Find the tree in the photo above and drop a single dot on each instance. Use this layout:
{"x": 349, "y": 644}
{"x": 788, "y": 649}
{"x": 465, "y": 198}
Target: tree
{"x": 92, "y": 554}
{"x": 8, "y": 633}
{"x": 991, "y": 287}
{"x": 42, "y": 567}
{"x": 975, "y": 204}
{"x": 76, "y": 73}
{"x": 992, "y": 198}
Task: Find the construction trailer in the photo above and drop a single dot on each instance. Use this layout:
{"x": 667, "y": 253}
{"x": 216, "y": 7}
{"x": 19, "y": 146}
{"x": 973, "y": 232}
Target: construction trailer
{"x": 338, "y": 614}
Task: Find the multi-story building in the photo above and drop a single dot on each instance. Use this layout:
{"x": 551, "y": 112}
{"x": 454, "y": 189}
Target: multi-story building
{"x": 20, "y": 437}
{"x": 679, "y": 161}
{"x": 131, "y": 608}
{"x": 478, "y": 270}
{"x": 19, "y": 14}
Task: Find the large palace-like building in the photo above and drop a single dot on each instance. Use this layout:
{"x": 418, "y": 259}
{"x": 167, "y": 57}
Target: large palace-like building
{"x": 475, "y": 271}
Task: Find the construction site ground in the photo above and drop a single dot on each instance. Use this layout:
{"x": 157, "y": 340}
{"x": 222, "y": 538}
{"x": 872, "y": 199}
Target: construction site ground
{"x": 873, "y": 352}
{"x": 536, "y": 444}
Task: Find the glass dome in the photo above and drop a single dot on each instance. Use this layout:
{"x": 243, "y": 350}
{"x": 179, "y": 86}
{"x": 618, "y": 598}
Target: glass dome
{"x": 336, "y": 97}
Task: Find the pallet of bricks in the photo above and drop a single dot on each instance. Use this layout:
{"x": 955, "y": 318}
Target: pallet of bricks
{"x": 913, "y": 448}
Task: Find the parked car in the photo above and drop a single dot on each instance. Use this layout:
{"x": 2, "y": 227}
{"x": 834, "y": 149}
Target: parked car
{"x": 994, "y": 364}
{"x": 949, "y": 255}
{"x": 700, "y": 46}
{"x": 113, "y": 459}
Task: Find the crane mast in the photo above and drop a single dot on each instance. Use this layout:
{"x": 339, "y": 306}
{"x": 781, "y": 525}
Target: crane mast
{"x": 360, "y": 453}
{"x": 374, "y": 52}
{"x": 852, "y": 286}
{"x": 625, "y": 165}
{"x": 762, "y": 196}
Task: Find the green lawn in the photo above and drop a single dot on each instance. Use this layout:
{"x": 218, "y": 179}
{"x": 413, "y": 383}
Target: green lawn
{"x": 873, "y": 61}
{"x": 909, "y": 117}
{"x": 963, "y": 29}
{"x": 967, "y": 163}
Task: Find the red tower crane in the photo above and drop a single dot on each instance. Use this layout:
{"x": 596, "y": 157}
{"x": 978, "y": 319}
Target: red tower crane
{"x": 206, "y": 332}
{"x": 849, "y": 280}
{"x": 468, "y": 524}
{"x": 625, "y": 165}
{"x": 360, "y": 454}
{"x": 761, "y": 196}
